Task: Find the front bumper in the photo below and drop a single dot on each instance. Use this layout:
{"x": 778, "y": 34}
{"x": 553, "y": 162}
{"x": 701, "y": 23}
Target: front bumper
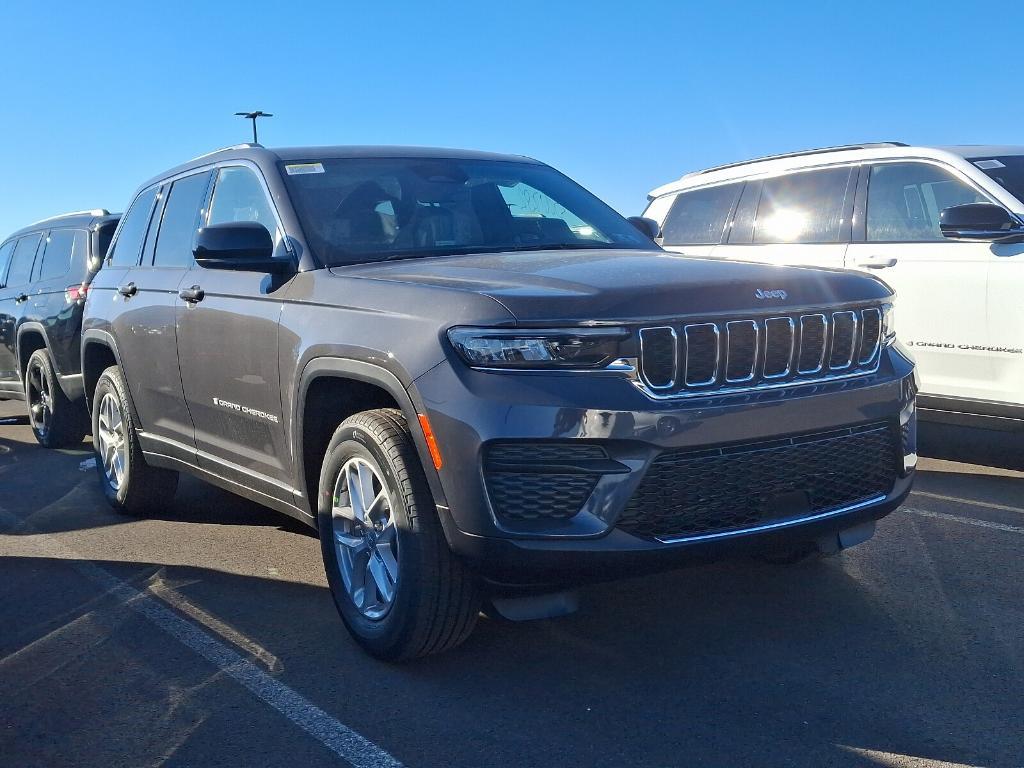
{"x": 470, "y": 410}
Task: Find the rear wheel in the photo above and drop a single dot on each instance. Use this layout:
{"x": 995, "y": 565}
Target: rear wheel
{"x": 129, "y": 483}
{"x": 398, "y": 587}
{"x": 56, "y": 421}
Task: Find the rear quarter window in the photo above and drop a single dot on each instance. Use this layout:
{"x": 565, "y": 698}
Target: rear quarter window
{"x": 128, "y": 246}
{"x": 5, "y": 258}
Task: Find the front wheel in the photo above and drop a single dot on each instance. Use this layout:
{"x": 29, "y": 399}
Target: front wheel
{"x": 399, "y": 589}
{"x": 129, "y": 483}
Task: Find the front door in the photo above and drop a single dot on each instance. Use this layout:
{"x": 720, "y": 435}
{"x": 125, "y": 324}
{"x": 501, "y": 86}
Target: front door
{"x": 941, "y": 285}
{"x": 228, "y": 351}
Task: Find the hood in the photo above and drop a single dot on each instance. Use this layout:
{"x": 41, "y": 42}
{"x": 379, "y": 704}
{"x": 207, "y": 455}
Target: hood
{"x": 626, "y": 285}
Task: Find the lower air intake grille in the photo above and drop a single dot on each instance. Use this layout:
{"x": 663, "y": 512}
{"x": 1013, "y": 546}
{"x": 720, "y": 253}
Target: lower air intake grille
{"x": 695, "y": 493}
{"x": 530, "y": 496}
{"x": 543, "y": 480}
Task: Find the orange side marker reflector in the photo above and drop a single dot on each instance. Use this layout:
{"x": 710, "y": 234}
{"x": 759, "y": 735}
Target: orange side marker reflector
{"x": 428, "y": 433}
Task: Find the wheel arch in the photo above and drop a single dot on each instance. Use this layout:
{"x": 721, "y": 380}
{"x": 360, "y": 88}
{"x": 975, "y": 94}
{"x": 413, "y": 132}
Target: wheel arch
{"x": 31, "y": 338}
{"x": 99, "y": 352}
{"x": 374, "y": 387}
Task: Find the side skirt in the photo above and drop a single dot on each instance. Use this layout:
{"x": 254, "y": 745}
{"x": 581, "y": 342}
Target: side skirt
{"x": 239, "y": 489}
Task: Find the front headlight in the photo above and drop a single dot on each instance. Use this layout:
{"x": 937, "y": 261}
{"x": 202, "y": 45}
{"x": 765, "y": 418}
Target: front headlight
{"x": 519, "y": 348}
{"x": 888, "y": 324}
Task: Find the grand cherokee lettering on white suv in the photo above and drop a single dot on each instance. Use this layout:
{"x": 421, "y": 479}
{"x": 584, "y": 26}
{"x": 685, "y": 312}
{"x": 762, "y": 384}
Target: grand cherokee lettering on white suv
{"x": 943, "y": 226}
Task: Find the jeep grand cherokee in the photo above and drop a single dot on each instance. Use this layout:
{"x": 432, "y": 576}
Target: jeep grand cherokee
{"x": 478, "y": 382}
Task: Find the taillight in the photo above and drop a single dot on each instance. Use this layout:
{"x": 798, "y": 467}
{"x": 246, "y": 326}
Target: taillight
{"x": 76, "y": 293}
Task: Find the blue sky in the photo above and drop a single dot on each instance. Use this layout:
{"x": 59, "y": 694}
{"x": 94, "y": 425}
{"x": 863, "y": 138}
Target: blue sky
{"x": 622, "y": 97}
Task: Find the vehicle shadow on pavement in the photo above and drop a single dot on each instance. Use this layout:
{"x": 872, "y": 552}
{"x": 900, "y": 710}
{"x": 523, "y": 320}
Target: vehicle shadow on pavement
{"x": 735, "y": 664}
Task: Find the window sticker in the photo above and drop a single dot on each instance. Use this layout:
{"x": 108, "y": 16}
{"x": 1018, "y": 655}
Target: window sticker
{"x": 988, "y": 165}
{"x": 297, "y": 169}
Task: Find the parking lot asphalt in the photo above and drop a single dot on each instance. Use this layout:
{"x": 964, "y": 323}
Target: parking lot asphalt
{"x": 206, "y": 636}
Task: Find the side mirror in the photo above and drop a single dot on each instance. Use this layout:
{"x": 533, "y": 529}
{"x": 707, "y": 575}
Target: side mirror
{"x": 980, "y": 221}
{"x": 245, "y": 246}
{"x": 648, "y": 226}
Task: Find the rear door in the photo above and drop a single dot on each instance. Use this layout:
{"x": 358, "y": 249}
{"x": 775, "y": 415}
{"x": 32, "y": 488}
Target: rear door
{"x": 941, "y": 284}
{"x": 795, "y": 218}
{"x": 13, "y": 298}
{"x": 697, "y": 219}
{"x": 148, "y": 339}
{"x": 228, "y": 350}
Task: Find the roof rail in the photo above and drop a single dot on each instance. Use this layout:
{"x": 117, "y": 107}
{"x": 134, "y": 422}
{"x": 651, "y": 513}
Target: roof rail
{"x": 821, "y": 150}
{"x": 245, "y": 145}
{"x": 91, "y": 212}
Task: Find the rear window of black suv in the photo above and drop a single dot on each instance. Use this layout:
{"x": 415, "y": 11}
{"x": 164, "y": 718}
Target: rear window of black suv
{"x": 368, "y": 209}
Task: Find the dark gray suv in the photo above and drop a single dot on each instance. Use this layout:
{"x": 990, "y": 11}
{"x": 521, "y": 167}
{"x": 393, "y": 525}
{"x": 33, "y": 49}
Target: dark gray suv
{"x": 481, "y": 384}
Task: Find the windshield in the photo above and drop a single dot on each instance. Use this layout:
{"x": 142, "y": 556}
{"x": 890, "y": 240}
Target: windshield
{"x": 1007, "y": 170}
{"x": 370, "y": 209}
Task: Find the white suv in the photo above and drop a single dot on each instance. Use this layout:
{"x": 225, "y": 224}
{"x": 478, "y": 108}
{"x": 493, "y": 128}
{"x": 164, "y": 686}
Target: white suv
{"x": 943, "y": 226}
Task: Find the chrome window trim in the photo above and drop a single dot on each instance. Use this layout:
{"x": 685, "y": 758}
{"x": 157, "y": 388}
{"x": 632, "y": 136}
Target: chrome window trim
{"x": 675, "y": 357}
{"x": 792, "y": 347}
{"x": 718, "y": 355}
{"x": 824, "y": 345}
{"x": 779, "y": 524}
{"x": 854, "y": 341}
{"x": 878, "y": 341}
{"x": 728, "y": 349}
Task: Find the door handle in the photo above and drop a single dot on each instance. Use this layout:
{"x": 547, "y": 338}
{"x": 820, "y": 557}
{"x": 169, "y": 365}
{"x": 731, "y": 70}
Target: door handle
{"x": 876, "y": 262}
{"x": 192, "y": 295}
{"x": 128, "y": 289}
{"x": 21, "y": 297}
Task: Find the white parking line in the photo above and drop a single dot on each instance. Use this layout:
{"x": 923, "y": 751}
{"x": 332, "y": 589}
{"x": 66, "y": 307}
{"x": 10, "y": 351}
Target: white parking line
{"x": 967, "y": 520}
{"x": 333, "y": 734}
{"x": 968, "y": 502}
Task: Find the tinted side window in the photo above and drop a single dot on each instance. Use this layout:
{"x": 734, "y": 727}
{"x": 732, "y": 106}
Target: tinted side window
{"x": 905, "y": 199}
{"x": 239, "y": 196}
{"x": 699, "y": 217}
{"x": 56, "y": 258}
{"x": 803, "y": 207}
{"x": 21, "y": 261}
{"x": 5, "y": 256}
{"x": 180, "y": 221}
{"x": 128, "y": 246}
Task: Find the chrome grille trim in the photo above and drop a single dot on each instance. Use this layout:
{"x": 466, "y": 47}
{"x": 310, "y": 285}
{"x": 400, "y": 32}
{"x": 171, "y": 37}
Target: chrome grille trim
{"x": 865, "y": 313}
{"x": 792, "y": 346}
{"x": 702, "y": 348}
{"x": 675, "y": 356}
{"x": 687, "y": 330}
{"x": 854, "y": 340}
{"x": 824, "y": 344}
{"x": 729, "y": 350}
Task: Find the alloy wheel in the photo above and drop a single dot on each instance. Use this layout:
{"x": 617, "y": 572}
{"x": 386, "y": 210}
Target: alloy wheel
{"x": 111, "y": 440}
{"x": 40, "y": 399}
{"x": 365, "y": 538}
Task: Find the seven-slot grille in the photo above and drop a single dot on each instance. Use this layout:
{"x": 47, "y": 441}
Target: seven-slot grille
{"x": 704, "y": 357}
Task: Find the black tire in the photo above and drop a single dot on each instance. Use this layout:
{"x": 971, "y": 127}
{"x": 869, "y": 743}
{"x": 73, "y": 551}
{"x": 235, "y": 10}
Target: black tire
{"x": 56, "y": 421}
{"x": 436, "y": 599}
{"x": 142, "y": 488}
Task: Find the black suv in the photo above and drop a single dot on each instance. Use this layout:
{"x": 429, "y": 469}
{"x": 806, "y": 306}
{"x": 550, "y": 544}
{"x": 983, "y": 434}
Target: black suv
{"x": 480, "y": 383}
{"x": 45, "y": 273}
